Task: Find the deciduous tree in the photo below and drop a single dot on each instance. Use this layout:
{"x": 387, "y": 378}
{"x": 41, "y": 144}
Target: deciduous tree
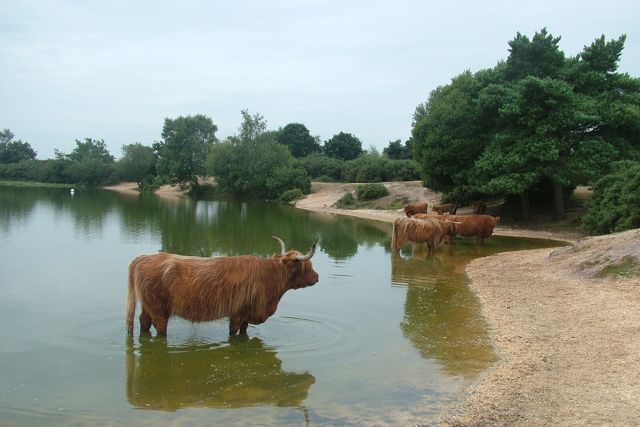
{"x": 343, "y": 146}
{"x": 186, "y": 142}
{"x": 14, "y": 151}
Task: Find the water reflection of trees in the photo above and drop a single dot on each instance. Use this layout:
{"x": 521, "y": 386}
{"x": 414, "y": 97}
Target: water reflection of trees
{"x": 239, "y": 374}
{"x": 197, "y": 227}
{"x": 442, "y": 317}
{"x": 15, "y": 208}
{"x": 231, "y": 227}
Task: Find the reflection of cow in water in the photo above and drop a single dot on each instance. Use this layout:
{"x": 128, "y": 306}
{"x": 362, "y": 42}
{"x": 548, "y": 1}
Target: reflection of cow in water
{"x": 245, "y": 288}
{"x": 442, "y": 317}
{"x": 244, "y": 373}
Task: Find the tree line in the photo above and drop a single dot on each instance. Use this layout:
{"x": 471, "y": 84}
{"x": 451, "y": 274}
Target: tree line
{"x": 255, "y": 162}
{"x": 533, "y": 128}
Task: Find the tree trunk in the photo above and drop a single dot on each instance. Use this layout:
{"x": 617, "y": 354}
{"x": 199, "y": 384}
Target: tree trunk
{"x": 524, "y": 203}
{"x": 558, "y": 200}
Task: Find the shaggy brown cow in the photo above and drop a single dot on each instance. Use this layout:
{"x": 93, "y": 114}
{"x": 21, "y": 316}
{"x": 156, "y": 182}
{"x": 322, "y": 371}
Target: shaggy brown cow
{"x": 446, "y": 208}
{"x": 415, "y": 208}
{"x": 479, "y": 207}
{"x": 245, "y": 288}
{"x": 429, "y": 230}
{"x": 480, "y": 226}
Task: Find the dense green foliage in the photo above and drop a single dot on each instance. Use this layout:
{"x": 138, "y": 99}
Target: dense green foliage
{"x": 371, "y": 191}
{"x": 255, "y": 164}
{"x": 347, "y": 201}
{"x": 297, "y": 138}
{"x": 538, "y": 118}
{"x": 318, "y": 165}
{"x": 398, "y": 151}
{"x": 368, "y": 167}
{"x": 138, "y": 163}
{"x": 615, "y": 205}
{"x": 185, "y": 147}
{"x": 90, "y": 163}
{"x": 343, "y": 146}
{"x": 14, "y": 151}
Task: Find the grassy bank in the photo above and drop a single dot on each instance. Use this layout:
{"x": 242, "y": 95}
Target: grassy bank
{"x": 9, "y": 183}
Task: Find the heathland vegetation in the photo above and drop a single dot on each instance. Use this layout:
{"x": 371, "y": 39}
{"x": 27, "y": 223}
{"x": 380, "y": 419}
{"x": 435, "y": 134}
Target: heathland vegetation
{"x": 529, "y": 130}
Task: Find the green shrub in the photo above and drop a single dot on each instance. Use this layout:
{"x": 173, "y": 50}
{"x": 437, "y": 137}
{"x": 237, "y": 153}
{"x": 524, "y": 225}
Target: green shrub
{"x": 347, "y": 201}
{"x": 291, "y": 195}
{"x": 320, "y": 166}
{"x": 615, "y": 205}
{"x": 371, "y": 191}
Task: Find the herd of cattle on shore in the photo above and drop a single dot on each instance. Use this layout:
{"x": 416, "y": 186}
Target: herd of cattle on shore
{"x": 247, "y": 288}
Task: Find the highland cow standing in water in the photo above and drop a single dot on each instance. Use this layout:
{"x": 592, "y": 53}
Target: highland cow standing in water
{"x": 245, "y": 288}
{"x": 429, "y": 230}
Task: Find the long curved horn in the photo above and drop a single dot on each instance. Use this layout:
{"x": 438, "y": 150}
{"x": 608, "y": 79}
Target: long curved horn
{"x": 284, "y": 249}
{"x": 309, "y": 255}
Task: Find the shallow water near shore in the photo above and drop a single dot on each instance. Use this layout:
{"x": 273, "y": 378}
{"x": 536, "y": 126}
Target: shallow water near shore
{"x": 380, "y": 339}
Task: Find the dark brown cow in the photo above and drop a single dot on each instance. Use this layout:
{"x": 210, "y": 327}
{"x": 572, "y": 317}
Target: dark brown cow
{"x": 245, "y": 288}
{"x": 479, "y": 207}
{"x": 429, "y": 230}
{"x": 414, "y": 208}
{"x": 478, "y": 226}
{"x": 446, "y": 208}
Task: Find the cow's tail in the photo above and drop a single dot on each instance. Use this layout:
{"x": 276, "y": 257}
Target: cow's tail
{"x": 131, "y": 298}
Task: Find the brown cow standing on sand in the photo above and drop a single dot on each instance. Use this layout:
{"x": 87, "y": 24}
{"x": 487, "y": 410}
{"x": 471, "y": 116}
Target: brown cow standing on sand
{"x": 446, "y": 208}
{"x": 414, "y": 208}
{"x": 245, "y": 288}
{"x": 478, "y": 226}
{"x": 429, "y": 230}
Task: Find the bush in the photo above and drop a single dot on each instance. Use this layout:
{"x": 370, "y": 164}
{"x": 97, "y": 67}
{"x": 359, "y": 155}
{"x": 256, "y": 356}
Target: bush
{"x": 320, "y": 166}
{"x": 347, "y": 201}
{"x": 371, "y": 191}
{"x": 401, "y": 170}
{"x": 615, "y": 205}
{"x": 291, "y": 195}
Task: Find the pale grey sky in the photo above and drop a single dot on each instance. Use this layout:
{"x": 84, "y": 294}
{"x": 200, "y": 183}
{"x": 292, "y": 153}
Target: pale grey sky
{"x": 114, "y": 70}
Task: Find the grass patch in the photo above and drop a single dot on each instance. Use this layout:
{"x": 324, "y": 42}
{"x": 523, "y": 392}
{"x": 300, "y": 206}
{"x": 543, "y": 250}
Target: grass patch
{"x": 33, "y": 184}
{"x": 627, "y": 267}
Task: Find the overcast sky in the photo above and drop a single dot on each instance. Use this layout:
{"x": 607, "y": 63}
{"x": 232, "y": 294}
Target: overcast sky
{"x": 114, "y": 70}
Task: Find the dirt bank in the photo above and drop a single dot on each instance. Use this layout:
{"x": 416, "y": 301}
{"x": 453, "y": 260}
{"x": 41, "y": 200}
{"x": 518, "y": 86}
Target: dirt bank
{"x": 132, "y": 189}
{"x": 568, "y": 343}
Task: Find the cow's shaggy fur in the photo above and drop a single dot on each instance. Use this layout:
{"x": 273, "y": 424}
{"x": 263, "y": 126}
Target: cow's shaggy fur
{"x": 245, "y": 288}
{"x": 478, "y": 226}
{"x": 429, "y": 230}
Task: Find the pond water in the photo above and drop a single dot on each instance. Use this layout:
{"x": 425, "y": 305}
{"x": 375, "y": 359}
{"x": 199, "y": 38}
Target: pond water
{"x": 379, "y": 339}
